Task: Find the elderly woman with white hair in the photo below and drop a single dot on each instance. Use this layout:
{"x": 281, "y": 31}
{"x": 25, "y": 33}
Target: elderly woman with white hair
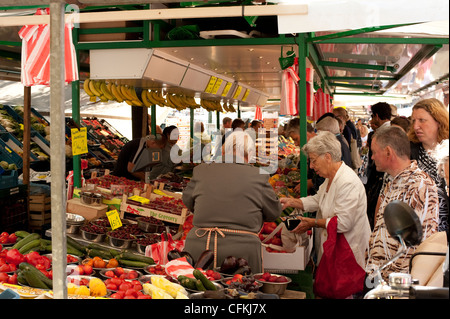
{"x": 230, "y": 201}
{"x": 341, "y": 195}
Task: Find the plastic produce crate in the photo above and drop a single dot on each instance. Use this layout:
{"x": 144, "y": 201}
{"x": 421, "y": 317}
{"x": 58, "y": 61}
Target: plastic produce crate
{"x": 9, "y": 179}
{"x": 8, "y": 155}
{"x": 14, "y": 144}
{"x": 13, "y": 215}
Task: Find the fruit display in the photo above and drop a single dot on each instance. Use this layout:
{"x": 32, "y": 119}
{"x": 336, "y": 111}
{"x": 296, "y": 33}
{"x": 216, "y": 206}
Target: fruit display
{"x": 104, "y": 91}
{"x": 232, "y": 266}
{"x": 244, "y": 283}
{"x": 121, "y": 273}
{"x": 163, "y": 204}
{"x": 106, "y": 181}
{"x": 268, "y": 277}
{"x": 284, "y": 182}
{"x": 7, "y": 238}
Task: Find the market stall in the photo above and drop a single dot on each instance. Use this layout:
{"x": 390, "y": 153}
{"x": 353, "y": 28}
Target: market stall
{"x": 198, "y": 77}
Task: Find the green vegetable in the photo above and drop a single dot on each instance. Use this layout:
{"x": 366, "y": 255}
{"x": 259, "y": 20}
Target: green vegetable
{"x": 26, "y": 240}
{"x": 205, "y": 281}
{"x": 132, "y": 263}
{"x": 29, "y": 246}
{"x": 131, "y": 256}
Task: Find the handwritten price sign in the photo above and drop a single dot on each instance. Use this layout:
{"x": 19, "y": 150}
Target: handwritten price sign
{"x": 114, "y": 219}
{"x": 79, "y": 141}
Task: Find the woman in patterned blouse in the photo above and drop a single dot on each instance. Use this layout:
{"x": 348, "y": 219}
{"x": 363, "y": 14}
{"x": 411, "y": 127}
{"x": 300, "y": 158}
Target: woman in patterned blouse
{"x": 430, "y": 126}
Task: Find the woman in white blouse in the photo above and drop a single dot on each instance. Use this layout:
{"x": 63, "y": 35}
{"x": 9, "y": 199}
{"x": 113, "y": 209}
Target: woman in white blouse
{"x": 342, "y": 194}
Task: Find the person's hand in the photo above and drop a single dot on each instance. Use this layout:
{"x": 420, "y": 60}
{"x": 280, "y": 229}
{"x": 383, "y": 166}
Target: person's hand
{"x": 297, "y": 188}
{"x": 286, "y": 202}
{"x": 303, "y": 226}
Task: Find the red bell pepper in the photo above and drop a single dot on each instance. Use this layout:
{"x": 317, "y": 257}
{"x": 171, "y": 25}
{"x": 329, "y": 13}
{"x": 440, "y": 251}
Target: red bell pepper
{"x": 13, "y": 256}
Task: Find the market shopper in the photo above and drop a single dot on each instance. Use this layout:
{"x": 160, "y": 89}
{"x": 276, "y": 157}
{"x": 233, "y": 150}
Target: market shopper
{"x": 131, "y": 152}
{"x": 170, "y": 135}
{"x": 341, "y": 195}
{"x": 330, "y": 124}
{"x": 407, "y": 183}
{"x": 430, "y": 126}
{"x": 230, "y": 201}
{"x": 381, "y": 117}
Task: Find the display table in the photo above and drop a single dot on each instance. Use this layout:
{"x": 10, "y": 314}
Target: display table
{"x": 293, "y": 294}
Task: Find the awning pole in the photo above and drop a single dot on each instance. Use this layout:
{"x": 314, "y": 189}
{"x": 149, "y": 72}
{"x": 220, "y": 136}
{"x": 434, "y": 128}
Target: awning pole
{"x": 57, "y": 154}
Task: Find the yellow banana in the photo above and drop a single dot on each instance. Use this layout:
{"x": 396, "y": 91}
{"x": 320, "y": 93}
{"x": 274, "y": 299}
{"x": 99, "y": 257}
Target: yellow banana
{"x": 109, "y": 88}
{"x": 129, "y": 102}
{"x": 124, "y": 91}
{"x": 151, "y": 98}
{"x": 169, "y": 101}
{"x": 93, "y": 89}
{"x": 132, "y": 92}
{"x": 191, "y": 102}
{"x": 87, "y": 89}
{"x": 157, "y": 96}
{"x": 106, "y": 92}
{"x": 103, "y": 98}
{"x": 116, "y": 93}
{"x": 232, "y": 109}
{"x": 93, "y": 99}
{"x": 144, "y": 98}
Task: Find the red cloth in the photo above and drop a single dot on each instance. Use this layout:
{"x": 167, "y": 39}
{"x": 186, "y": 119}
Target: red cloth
{"x": 258, "y": 113}
{"x": 338, "y": 275}
{"x": 36, "y": 53}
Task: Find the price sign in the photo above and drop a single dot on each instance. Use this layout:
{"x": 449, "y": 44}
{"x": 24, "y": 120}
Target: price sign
{"x": 238, "y": 92}
{"x": 227, "y": 88}
{"x": 211, "y": 83}
{"x": 114, "y": 219}
{"x": 247, "y": 92}
{"x": 216, "y": 86}
{"x": 139, "y": 199}
{"x": 79, "y": 141}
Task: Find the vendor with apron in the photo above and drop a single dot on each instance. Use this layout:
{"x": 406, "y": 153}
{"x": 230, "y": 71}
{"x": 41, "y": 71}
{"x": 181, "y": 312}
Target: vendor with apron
{"x": 230, "y": 201}
{"x": 131, "y": 152}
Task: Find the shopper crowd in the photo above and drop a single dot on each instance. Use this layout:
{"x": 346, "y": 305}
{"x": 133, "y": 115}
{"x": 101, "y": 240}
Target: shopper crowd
{"x": 404, "y": 159}
{"x": 355, "y": 170}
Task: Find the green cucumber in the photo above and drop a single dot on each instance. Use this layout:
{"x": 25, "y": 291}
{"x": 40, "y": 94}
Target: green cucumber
{"x": 199, "y": 285}
{"x": 130, "y": 256}
{"x": 29, "y": 246}
{"x": 187, "y": 282}
{"x": 100, "y": 253}
{"x": 74, "y": 251}
{"x": 21, "y": 278}
{"x": 21, "y": 233}
{"x": 34, "y": 281}
{"x": 205, "y": 281}
{"x": 132, "y": 263}
{"x": 72, "y": 242}
{"x": 114, "y": 252}
{"x": 26, "y": 240}
{"x": 30, "y": 269}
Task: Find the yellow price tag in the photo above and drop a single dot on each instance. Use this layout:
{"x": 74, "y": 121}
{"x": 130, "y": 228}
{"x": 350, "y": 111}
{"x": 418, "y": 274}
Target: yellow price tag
{"x": 227, "y": 88}
{"x": 210, "y": 85}
{"x": 79, "y": 141}
{"x": 139, "y": 199}
{"x": 247, "y": 92}
{"x": 114, "y": 219}
{"x": 217, "y": 86}
{"x": 238, "y": 92}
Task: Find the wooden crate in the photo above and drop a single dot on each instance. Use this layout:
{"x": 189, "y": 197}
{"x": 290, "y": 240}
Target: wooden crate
{"x": 39, "y": 203}
{"x": 40, "y": 211}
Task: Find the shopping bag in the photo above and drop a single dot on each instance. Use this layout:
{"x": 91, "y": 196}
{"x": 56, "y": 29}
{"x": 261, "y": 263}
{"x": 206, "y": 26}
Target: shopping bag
{"x": 338, "y": 275}
{"x": 160, "y": 250}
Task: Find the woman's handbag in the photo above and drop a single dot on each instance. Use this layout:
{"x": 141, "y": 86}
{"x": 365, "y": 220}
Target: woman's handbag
{"x": 338, "y": 275}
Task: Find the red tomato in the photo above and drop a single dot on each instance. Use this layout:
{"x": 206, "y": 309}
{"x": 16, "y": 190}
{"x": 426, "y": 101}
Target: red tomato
{"x": 12, "y": 238}
{"x": 111, "y": 286}
{"x": 110, "y": 273}
{"x": 13, "y": 279}
{"x": 3, "y": 277}
{"x": 5, "y": 268}
{"x": 131, "y": 292}
{"x": 125, "y": 286}
{"x": 87, "y": 269}
{"x": 144, "y": 297}
{"x": 116, "y": 296}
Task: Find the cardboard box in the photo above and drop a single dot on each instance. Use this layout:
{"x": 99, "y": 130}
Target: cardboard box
{"x": 75, "y": 206}
{"x": 287, "y": 261}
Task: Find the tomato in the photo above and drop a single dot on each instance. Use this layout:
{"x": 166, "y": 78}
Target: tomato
{"x": 119, "y": 271}
{"x": 3, "y": 277}
{"x": 13, "y": 279}
{"x": 125, "y": 286}
{"x": 87, "y": 269}
{"x": 5, "y": 268}
{"x": 116, "y": 296}
{"x": 116, "y": 281}
{"x": 111, "y": 286}
{"x": 131, "y": 292}
{"x": 110, "y": 273}
{"x": 12, "y": 238}
{"x": 144, "y": 297}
